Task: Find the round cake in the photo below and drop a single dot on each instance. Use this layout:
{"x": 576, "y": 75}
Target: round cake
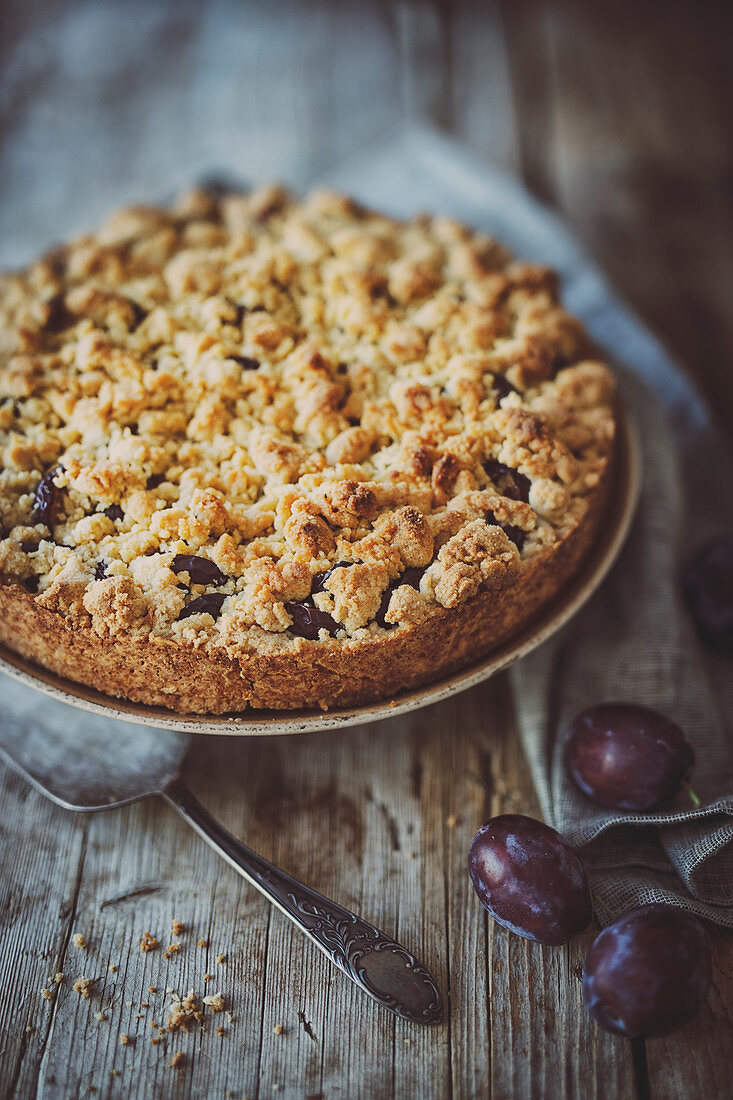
{"x": 261, "y": 452}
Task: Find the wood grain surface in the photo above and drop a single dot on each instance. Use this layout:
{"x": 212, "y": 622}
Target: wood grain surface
{"x": 620, "y": 115}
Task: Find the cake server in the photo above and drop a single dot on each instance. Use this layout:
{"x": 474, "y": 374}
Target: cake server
{"x": 83, "y": 765}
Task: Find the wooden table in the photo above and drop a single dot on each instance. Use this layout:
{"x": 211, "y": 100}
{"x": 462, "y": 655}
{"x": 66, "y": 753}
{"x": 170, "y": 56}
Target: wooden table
{"x": 620, "y": 115}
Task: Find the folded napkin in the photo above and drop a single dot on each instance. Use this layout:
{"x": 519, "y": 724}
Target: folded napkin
{"x": 634, "y": 641}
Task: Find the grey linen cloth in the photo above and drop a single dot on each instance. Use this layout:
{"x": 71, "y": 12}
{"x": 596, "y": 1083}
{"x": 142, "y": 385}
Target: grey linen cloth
{"x": 634, "y": 641}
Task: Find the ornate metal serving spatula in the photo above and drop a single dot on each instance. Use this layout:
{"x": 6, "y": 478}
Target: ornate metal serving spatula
{"x": 87, "y": 765}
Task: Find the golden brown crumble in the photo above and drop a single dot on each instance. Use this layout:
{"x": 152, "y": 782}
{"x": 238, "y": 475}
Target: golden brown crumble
{"x": 177, "y": 928}
{"x": 78, "y": 940}
{"x": 83, "y": 986}
{"x": 316, "y": 401}
{"x": 183, "y": 1012}
{"x": 148, "y": 942}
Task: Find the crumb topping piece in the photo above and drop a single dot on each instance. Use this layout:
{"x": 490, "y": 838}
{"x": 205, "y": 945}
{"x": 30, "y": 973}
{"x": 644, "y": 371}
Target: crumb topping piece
{"x": 238, "y": 422}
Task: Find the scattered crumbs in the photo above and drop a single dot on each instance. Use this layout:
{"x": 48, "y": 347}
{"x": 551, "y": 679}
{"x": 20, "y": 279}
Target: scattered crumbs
{"x": 207, "y": 977}
{"x": 154, "y": 989}
{"x": 155, "y": 1040}
{"x": 177, "y": 928}
{"x": 145, "y": 1004}
{"x": 29, "y": 1030}
{"x": 148, "y": 942}
{"x": 101, "y": 1016}
{"x": 78, "y": 940}
{"x": 139, "y": 1015}
{"x": 112, "y": 968}
{"x": 203, "y": 943}
{"x": 221, "y": 1030}
{"x": 409, "y": 855}
{"x": 59, "y": 978}
{"x": 125, "y": 1040}
{"x": 221, "y": 959}
{"x": 278, "y": 1029}
{"x": 178, "y": 1059}
{"x": 183, "y": 1012}
{"x": 46, "y": 994}
{"x": 83, "y": 986}
{"x": 215, "y": 1003}
{"x": 171, "y": 950}
{"x": 451, "y": 821}
{"x": 115, "y": 1073}
{"x": 393, "y": 702}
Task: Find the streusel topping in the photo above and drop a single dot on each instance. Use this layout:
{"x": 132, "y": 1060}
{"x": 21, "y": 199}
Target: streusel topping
{"x": 244, "y": 419}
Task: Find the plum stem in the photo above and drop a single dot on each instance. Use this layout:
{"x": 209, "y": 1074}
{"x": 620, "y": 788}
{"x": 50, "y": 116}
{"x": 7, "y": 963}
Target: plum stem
{"x": 693, "y": 797}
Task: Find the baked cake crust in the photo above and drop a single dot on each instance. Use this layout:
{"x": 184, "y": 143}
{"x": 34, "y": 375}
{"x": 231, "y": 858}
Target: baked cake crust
{"x": 258, "y": 452}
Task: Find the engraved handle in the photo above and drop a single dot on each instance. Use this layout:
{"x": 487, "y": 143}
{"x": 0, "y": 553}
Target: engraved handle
{"x": 382, "y": 968}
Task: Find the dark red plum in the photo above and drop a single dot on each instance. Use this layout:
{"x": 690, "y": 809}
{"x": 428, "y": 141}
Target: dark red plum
{"x": 707, "y": 583}
{"x": 530, "y": 879}
{"x": 627, "y": 757}
{"x": 648, "y": 973}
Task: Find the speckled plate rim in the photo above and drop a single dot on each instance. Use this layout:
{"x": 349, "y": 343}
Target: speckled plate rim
{"x": 596, "y": 567}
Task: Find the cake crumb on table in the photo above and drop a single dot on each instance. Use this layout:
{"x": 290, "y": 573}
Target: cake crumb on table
{"x": 148, "y": 942}
{"x": 183, "y": 1012}
{"x": 126, "y": 1040}
{"x": 46, "y": 994}
{"x": 101, "y": 1016}
{"x": 78, "y": 940}
{"x": 221, "y": 959}
{"x": 203, "y": 943}
{"x": 171, "y": 950}
{"x": 59, "y": 977}
{"x": 83, "y": 986}
{"x": 177, "y": 928}
{"x": 278, "y": 1029}
{"x": 451, "y": 821}
{"x": 178, "y": 1059}
{"x": 215, "y": 1002}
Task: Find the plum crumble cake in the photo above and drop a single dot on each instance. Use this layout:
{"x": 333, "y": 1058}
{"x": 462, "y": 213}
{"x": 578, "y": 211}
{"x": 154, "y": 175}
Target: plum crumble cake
{"x": 275, "y": 453}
